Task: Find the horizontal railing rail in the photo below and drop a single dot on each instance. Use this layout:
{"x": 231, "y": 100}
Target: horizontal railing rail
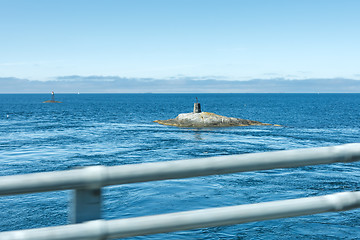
{"x": 110, "y": 229}
{"x": 100, "y": 176}
{"x": 88, "y": 181}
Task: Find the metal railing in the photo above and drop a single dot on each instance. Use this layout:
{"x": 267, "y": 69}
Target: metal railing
{"x": 88, "y": 181}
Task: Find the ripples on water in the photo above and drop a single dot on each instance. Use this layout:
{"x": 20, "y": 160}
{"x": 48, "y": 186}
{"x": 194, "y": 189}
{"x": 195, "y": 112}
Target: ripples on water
{"x": 117, "y": 129}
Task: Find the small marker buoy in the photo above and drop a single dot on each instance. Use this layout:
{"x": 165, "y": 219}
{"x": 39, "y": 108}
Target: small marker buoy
{"x": 52, "y": 99}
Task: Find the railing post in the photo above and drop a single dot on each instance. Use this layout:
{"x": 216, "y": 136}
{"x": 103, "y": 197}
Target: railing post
{"x": 86, "y": 205}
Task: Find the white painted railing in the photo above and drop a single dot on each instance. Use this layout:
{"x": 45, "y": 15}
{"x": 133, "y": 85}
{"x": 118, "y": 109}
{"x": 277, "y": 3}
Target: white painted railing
{"x": 88, "y": 181}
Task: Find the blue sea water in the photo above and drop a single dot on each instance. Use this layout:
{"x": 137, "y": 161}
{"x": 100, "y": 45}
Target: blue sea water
{"x": 117, "y": 129}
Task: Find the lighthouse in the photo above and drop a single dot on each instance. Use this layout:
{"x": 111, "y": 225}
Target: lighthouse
{"x": 197, "y": 107}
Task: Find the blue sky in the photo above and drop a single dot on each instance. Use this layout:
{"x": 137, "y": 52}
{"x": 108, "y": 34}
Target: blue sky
{"x": 224, "y": 39}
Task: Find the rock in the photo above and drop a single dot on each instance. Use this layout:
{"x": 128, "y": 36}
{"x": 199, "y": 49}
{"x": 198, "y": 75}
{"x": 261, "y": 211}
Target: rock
{"x": 51, "y": 101}
{"x": 207, "y": 119}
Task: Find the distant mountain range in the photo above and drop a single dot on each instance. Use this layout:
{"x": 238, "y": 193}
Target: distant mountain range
{"x": 104, "y": 84}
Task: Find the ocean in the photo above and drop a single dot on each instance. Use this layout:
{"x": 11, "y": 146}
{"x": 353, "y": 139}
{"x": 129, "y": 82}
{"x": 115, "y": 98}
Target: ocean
{"x": 118, "y": 129}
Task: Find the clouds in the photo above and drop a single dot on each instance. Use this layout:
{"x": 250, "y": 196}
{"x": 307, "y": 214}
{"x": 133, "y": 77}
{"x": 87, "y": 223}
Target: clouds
{"x": 179, "y": 84}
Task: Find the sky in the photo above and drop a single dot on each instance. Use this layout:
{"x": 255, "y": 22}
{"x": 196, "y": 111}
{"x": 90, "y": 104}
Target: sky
{"x": 168, "y": 39}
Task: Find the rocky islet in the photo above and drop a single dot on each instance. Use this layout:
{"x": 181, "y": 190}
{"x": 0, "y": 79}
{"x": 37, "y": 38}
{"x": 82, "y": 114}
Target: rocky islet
{"x": 200, "y": 119}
